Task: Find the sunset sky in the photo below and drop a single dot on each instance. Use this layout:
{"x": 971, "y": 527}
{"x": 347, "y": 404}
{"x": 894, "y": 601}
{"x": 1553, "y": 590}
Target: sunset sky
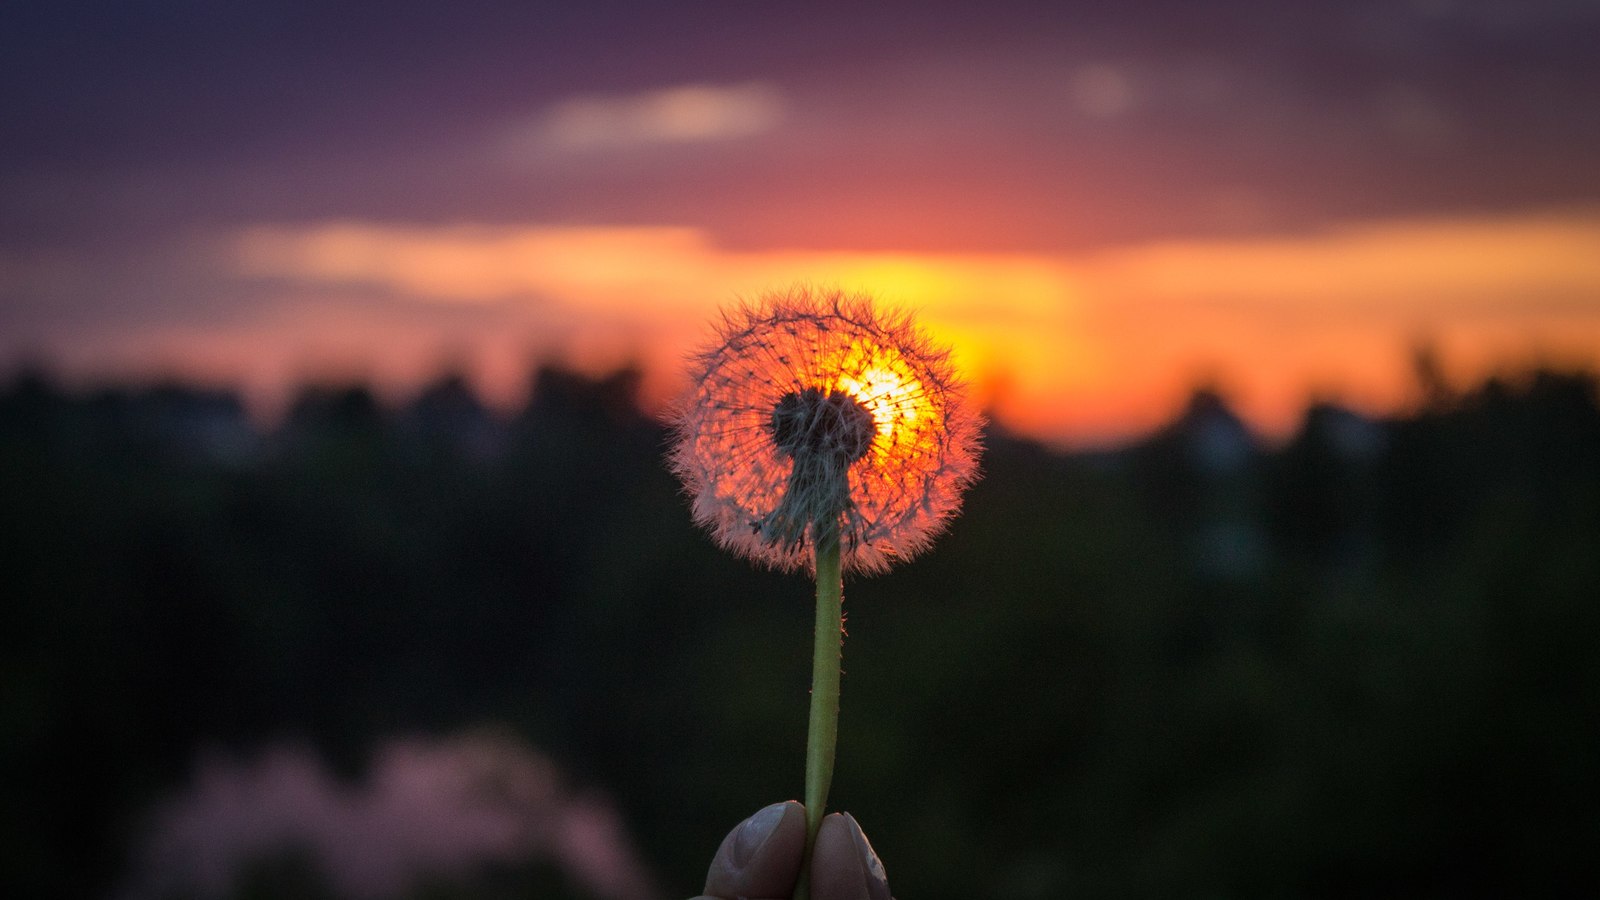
{"x": 1100, "y": 205}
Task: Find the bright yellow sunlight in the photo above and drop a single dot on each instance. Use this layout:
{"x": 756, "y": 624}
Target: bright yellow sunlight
{"x": 889, "y": 392}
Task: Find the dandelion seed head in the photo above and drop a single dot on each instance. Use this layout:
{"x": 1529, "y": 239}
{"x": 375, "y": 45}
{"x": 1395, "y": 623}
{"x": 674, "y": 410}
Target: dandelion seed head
{"x": 814, "y": 407}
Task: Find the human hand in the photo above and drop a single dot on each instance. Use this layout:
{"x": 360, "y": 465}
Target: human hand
{"x": 760, "y": 859}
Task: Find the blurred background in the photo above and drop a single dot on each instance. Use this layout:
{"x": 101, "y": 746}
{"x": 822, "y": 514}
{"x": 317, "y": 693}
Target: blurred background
{"x": 339, "y": 558}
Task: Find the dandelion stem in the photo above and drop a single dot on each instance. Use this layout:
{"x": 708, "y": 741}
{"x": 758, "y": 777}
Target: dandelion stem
{"x": 824, "y": 728}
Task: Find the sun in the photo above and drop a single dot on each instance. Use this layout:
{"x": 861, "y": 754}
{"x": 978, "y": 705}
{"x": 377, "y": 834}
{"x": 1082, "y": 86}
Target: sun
{"x": 886, "y": 387}
{"x": 891, "y": 397}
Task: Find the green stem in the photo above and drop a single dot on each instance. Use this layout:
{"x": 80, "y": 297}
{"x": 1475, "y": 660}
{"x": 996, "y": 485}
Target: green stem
{"x": 821, "y": 735}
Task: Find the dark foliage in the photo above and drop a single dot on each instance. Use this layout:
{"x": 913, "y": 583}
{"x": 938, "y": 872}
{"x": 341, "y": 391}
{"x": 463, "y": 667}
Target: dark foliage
{"x": 1359, "y": 665}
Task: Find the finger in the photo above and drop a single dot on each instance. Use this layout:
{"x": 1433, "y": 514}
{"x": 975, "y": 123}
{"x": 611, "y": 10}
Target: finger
{"x": 843, "y": 864}
{"x": 761, "y": 856}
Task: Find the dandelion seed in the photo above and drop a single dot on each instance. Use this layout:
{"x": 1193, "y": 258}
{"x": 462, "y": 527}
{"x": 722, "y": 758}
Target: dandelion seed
{"x": 814, "y": 410}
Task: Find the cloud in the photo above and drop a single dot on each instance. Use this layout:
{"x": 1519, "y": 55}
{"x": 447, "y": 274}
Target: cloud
{"x": 478, "y": 264}
{"x": 1397, "y": 266}
{"x": 1405, "y": 266}
{"x": 666, "y": 281}
{"x": 690, "y": 113}
{"x": 1102, "y": 91}
{"x": 1091, "y": 342}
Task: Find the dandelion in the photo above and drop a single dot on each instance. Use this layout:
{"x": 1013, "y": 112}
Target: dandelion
{"x": 814, "y": 411}
{"x": 821, "y": 433}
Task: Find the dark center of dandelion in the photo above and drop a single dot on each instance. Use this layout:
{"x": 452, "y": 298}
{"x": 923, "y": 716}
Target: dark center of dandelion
{"x": 828, "y": 426}
{"x": 824, "y": 434}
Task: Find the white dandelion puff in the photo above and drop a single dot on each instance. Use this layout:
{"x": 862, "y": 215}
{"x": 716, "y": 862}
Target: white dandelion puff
{"x": 813, "y": 410}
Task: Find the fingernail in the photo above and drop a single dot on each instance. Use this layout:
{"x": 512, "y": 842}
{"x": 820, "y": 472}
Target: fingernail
{"x": 877, "y": 879}
{"x": 753, "y": 832}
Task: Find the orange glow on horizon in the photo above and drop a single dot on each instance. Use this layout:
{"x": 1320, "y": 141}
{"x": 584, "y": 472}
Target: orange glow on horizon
{"x": 1069, "y": 348}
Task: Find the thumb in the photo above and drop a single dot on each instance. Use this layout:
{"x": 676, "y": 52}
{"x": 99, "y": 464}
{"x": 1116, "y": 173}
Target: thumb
{"x": 760, "y": 857}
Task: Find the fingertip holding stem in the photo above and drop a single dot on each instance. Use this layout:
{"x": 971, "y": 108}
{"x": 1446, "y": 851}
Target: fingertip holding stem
{"x": 845, "y": 866}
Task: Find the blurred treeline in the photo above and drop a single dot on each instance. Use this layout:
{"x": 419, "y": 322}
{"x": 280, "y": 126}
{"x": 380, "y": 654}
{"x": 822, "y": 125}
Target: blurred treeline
{"x": 1359, "y": 664}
